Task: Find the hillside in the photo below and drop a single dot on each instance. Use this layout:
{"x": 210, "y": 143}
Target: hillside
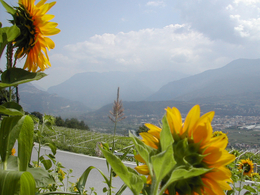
{"x": 98, "y": 89}
{"x": 33, "y": 99}
{"x": 236, "y": 79}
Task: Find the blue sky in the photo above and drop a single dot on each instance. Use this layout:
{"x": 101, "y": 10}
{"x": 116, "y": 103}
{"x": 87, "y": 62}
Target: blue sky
{"x": 189, "y": 36}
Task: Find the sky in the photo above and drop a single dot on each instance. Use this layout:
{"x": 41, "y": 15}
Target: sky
{"x": 189, "y": 36}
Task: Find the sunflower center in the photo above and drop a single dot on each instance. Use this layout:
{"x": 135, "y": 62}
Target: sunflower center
{"x": 26, "y": 40}
{"x": 246, "y": 167}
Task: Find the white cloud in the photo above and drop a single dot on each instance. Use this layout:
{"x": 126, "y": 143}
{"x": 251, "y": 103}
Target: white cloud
{"x": 246, "y": 2}
{"x": 213, "y": 33}
{"x": 174, "y": 47}
{"x": 230, "y": 21}
{"x": 155, "y": 3}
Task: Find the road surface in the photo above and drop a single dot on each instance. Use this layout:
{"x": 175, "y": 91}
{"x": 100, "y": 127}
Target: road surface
{"x": 79, "y": 163}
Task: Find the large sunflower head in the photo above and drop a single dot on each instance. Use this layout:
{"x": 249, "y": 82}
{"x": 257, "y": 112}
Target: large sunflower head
{"x": 194, "y": 147}
{"x": 247, "y": 166}
{"x": 35, "y": 26}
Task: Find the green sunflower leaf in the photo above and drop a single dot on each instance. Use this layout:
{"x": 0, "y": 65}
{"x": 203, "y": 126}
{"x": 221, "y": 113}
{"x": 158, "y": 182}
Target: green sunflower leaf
{"x": 165, "y": 135}
{"x": 10, "y": 111}
{"x": 16, "y": 76}
{"x": 25, "y": 142}
{"x": 8, "y": 8}
{"x": 13, "y": 105}
{"x": 41, "y": 175}
{"x": 181, "y": 174}
{"x": 9, "y": 132}
{"x": 14, "y": 182}
{"x": 8, "y": 34}
{"x": 164, "y": 159}
{"x": 83, "y": 179}
{"x": 129, "y": 176}
{"x": 144, "y": 150}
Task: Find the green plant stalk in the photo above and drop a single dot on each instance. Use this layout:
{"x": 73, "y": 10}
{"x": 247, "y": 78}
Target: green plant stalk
{"x": 39, "y": 148}
{"x": 162, "y": 190}
{"x": 113, "y": 149}
{"x": 5, "y": 165}
{"x": 155, "y": 186}
{"x": 9, "y": 56}
{"x": 240, "y": 183}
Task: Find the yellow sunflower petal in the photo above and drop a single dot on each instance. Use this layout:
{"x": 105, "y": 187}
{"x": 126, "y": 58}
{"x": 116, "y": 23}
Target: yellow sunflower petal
{"x": 191, "y": 119}
{"x": 154, "y": 130}
{"x": 48, "y": 32}
{"x": 142, "y": 169}
{"x": 213, "y": 187}
{"x": 221, "y": 173}
{"x": 37, "y": 28}
{"x": 44, "y": 8}
{"x": 150, "y": 140}
{"x": 149, "y": 179}
{"x": 225, "y": 159}
{"x": 139, "y": 158}
{"x": 47, "y": 17}
{"x": 174, "y": 119}
{"x": 40, "y": 3}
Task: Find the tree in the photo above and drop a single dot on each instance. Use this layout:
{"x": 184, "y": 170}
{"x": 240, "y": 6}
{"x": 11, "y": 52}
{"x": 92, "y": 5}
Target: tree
{"x": 142, "y": 129}
{"x": 38, "y": 115}
{"x": 59, "y": 121}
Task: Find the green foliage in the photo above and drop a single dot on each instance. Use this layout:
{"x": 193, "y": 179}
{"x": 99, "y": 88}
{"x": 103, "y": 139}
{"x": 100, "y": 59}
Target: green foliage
{"x": 7, "y": 34}
{"x": 59, "y": 122}
{"x": 38, "y": 115}
{"x": 128, "y": 175}
{"x": 12, "y": 182}
{"x": 74, "y": 123}
{"x": 16, "y": 76}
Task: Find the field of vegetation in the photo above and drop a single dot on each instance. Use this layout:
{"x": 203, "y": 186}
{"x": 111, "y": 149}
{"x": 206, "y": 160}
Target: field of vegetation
{"x": 243, "y": 139}
{"x": 85, "y": 142}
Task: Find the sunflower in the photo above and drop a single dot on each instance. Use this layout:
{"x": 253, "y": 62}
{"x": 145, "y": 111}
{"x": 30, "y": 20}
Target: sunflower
{"x": 35, "y": 26}
{"x": 61, "y": 174}
{"x": 220, "y": 133}
{"x": 194, "y": 146}
{"x": 13, "y": 151}
{"x": 247, "y": 166}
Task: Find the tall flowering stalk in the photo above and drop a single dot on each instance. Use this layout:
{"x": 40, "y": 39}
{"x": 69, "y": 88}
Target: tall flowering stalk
{"x": 115, "y": 116}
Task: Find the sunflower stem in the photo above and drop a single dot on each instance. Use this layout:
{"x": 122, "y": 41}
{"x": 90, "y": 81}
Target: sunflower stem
{"x": 155, "y": 187}
{"x": 241, "y": 180}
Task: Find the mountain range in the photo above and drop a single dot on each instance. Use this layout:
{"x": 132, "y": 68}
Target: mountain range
{"x": 98, "y": 89}
{"x": 33, "y": 99}
{"x": 238, "y": 78}
{"x": 236, "y": 84}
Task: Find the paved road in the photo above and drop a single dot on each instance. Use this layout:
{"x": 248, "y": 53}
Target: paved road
{"x": 79, "y": 163}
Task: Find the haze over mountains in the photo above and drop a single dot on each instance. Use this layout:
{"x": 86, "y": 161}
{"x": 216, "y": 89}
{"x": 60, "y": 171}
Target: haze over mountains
{"x": 238, "y": 78}
{"x": 98, "y": 89}
{"x": 33, "y": 99}
{"x": 237, "y": 84}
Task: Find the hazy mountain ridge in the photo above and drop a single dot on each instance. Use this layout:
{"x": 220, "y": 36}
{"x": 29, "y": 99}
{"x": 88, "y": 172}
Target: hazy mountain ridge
{"x": 33, "y": 99}
{"x": 238, "y": 77}
{"x": 98, "y": 89}
{"x": 232, "y": 89}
